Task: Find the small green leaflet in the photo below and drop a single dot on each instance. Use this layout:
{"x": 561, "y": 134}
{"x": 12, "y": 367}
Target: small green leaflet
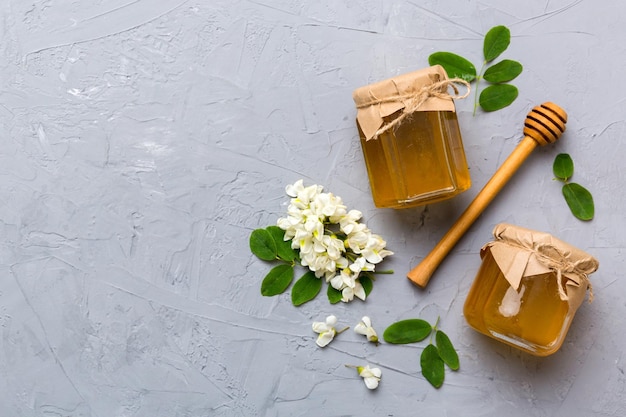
{"x": 407, "y": 331}
{"x": 432, "y": 366}
{"x": 367, "y": 282}
{"x": 263, "y": 245}
{"x": 334, "y": 296}
{"x": 306, "y": 288}
{"x": 497, "y": 96}
{"x": 283, "y": 247}
{"x": 456, "y": 66}
{"x": 446, "y": 350}
{"x": 277, "y": 280}
{"x": 497, "y": 40}
{"x": 502, "y": 72}
{"x": 563, "y": 166}
{"x": 579, "y": 200}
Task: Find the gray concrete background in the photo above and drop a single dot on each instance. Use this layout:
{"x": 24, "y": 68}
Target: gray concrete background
{"x": 142, "y": 141}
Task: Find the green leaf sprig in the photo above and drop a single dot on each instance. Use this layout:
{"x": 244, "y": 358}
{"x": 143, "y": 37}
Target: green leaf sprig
{"x": 577, "y": 197}
{"x": 499, "y": 94}
{"x": 434, "y": 356}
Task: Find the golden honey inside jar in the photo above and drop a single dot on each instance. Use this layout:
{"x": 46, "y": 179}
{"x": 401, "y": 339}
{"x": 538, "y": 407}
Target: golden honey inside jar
{"x": 411, "y": 139}
{"x": 528, "y": 289}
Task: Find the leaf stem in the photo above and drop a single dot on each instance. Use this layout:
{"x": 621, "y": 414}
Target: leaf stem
{"x": 436, "y": 323}
{"x": 434, "y": 332}
{"x": 478, "y": 78}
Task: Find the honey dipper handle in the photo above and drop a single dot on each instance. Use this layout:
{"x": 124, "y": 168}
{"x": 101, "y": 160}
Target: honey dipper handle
{"x": 421, "y": 274}
{"x": 543, "y": 125}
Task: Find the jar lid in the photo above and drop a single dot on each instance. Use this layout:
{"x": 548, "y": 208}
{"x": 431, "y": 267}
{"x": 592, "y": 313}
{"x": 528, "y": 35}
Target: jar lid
{"x": 376, "y": 101}
{"x": 521, "y": 252}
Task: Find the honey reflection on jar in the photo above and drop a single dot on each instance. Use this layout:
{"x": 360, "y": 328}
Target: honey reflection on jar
{"x": 532, "y": 318}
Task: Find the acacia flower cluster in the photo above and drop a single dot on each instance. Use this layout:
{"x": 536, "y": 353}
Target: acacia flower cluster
{"x": 330, "y": 239}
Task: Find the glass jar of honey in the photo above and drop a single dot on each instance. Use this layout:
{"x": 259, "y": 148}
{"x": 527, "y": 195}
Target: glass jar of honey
{"x": 411, "y": 139}
{"x": 528, "y": 289}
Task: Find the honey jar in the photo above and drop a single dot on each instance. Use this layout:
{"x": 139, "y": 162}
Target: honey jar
{"x": 528, "y": 289}
{"x": 411, "y": 139}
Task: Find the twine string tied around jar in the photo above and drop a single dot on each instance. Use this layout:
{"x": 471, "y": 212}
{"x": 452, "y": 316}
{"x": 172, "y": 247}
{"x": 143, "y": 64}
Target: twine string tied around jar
{"x": 562, "y": 265}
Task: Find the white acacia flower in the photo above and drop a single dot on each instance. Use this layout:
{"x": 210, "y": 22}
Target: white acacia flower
{"x": 313, "y": 225}
{"x": 302, "y": 195}
{"x": 374, "y": 251}
{"x": 365, "y": 328}
{"x": 322, "y": 265}
{"x": 303, "y": 241}
{"x": 348, "y": 293}
{"x": 346, "y": 282}
{"x": 342, "y": 263}
{"x": 357, "y": 240}
{"x": 371, "y": 376}
{"x": 327, "y": 205}
{"x": 360, "y": 264}
{"x": 349, "y": 222}
{"x": 334, "y": 246}
{"x": 326, "y": 330}
{"x": 344, "y": 279}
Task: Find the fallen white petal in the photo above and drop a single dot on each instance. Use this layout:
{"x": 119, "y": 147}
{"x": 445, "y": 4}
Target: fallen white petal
{"x": 325, "y": 338}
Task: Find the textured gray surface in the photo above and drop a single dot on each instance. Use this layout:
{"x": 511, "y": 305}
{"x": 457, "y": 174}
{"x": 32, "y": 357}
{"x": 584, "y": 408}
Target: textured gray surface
{"x": 143, "y": 140}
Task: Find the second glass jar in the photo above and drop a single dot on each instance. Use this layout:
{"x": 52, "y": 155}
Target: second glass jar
{"x": 528, "y": 289}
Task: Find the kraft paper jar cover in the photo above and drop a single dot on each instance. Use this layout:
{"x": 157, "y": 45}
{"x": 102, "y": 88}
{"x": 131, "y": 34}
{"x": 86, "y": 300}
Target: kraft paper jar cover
{"x": 521, "y": 252}
{"x": 376, "y": 101}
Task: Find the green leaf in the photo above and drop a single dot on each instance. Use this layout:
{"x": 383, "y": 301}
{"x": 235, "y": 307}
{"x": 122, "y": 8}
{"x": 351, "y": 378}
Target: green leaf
{"x": 456, "y": 66}
{"x": 446, "y": 350}
{"x": 407, "y": 331}
{"x": 496, "y": 41}
{"x": 367, "y": 283}
{"x": 563, "y": 166}
{"x": 334, "y": 296}
{"x": 277, "y": 280}
{"x": 306, "y": 288}
{"x": 262, "y": 245}
{"x": 579, "y": 200}
{"x": 432, "y": 366}
{"x": 503, "y": 71}
{"x": 283, "y": 247}
{"x": 497, "y": 96}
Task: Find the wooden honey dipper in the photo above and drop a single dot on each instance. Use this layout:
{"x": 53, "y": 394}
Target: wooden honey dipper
{"x": 544, "y": 124}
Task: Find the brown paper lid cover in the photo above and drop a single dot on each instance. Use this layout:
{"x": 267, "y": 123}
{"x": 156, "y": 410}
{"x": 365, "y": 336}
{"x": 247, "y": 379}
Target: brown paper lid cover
{"x": 521, "y": 253}
{"x": 395, "y": 94}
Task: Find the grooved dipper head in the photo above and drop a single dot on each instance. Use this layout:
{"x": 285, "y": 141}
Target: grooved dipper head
{"x": 545, "y": 123}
